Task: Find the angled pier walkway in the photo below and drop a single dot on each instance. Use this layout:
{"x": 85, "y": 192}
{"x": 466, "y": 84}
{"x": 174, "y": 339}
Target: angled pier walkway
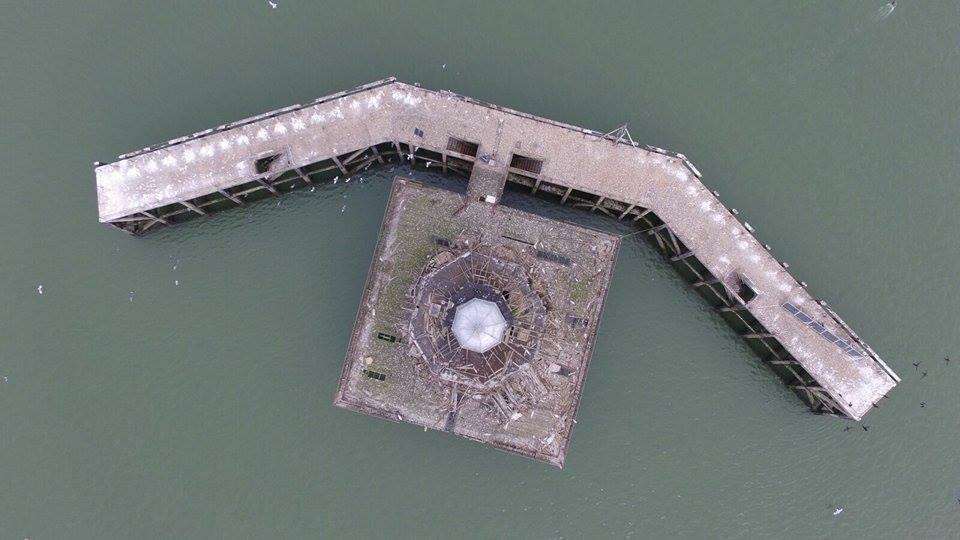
{"x": 798, "y": 336}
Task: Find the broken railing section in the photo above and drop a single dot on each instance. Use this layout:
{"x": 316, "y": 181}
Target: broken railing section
{"x": 731, "y": 305}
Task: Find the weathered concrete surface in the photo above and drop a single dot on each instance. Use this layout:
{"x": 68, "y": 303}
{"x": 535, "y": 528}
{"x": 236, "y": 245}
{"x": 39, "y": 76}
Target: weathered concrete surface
{"x": 535, "y": 417}
{"x": 583, "y": 159}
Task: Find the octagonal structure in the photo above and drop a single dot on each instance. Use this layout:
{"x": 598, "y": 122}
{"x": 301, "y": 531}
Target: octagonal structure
{"x": 495, "y": 278}
{"x": 478, "y": 325}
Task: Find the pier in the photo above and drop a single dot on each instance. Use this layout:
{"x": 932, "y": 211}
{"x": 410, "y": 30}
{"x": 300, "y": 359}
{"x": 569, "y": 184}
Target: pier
{"x": 493, "y": 148}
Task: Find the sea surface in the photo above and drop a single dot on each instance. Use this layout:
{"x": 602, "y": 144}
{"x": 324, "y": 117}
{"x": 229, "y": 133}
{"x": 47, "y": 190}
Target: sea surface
{"x": 180, "y": 385}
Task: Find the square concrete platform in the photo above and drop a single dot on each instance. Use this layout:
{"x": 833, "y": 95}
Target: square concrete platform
{"x": 477, "y": 319}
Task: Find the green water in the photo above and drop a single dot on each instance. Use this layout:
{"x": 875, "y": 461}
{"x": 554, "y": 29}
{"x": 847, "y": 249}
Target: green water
{"x": 179, "y": 385}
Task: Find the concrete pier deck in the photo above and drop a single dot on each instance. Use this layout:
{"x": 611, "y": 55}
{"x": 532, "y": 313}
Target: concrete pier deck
{"x": 804, "y": 341}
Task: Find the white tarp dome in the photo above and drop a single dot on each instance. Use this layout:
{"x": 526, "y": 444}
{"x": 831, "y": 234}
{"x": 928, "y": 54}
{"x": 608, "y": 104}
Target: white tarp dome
{"x": 478, "y": 325}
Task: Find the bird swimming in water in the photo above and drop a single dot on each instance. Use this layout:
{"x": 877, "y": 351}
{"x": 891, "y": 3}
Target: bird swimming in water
{"x": 847, "y": 428}
{"x": 865, "y": 427}
{"x": 946, "y": 359}
{"x": 923, "y": 404}
{"x": 916, "y": 366}
{"x": 923, "y": 374}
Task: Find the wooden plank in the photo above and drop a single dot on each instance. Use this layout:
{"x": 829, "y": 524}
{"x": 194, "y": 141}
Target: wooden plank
{"x": 155, "y": 217}
{"x": 193, "y": 207}
{"x": 354, "y": 156}
{"x": 303, "y": 176}
{"x": 226, "y": 194}
{"x": 340, "y": 165}
{"x": 130, "y": 219}
{"x": 265, "y": 184}
{"x": 379, "y": 157}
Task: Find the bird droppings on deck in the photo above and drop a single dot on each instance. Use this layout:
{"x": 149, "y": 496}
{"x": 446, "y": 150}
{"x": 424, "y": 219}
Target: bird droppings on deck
{"x": 659, "y": 191}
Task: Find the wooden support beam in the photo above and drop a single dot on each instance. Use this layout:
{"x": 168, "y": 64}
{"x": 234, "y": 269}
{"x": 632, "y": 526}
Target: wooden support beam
{"x": 354, "y": 156}
{"x": 227, "y": 194}
{"x": 597, "y": 204}
{"x": 627, "y": 211}
{"x": 536, "y": 186}
{"x": 757, "y": 336}
{"x": 676, "y": 243}
{"x": 118, "y": 227}
{"x": 148, "y": 225}
{"x": 656, "y": 236}
{"x": 444, "y": 154}
{"x": 396, "y": 145}
{"x": 605, "y": 211}
{"x": 681, "y": 256}
{"x": 812, "y": 388}
{"x": 340, "y": 165}
{"x": 304, "y": 176}
{"x": 831, "y": 403}
{"x": 155, "y": 217}
{"x": 642, "y": 214}
{"x": 727, "y": 309}
{"x": 701, "y": 283}
{"x": 193, "y": 207}
{"x": 265, "y": 184}
{"x": 376, "y": 153}
{"x": 653, "y": 230}
{"x": 129, "y": 219}
{"x": 565, "y": 195}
